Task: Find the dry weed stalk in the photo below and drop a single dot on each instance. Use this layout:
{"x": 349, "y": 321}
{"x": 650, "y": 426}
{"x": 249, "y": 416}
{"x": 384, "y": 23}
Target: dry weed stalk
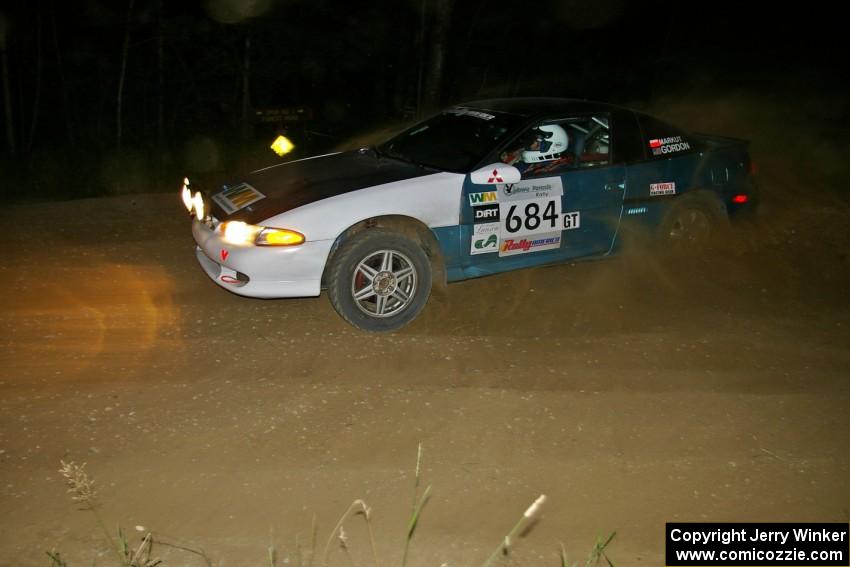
{"x": 356, "y": 507}
{"x": 505, "y": 547}
{"x": 80, "y": 486}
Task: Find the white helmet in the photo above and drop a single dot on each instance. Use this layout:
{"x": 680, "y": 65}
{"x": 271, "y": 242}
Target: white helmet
{"x": 553, "y": 142}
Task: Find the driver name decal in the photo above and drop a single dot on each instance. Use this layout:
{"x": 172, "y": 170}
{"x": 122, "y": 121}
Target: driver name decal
{"x": 672, "y": 144}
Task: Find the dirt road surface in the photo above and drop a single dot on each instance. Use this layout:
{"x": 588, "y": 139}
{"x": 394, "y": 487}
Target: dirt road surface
{"x": 632, "y": 392}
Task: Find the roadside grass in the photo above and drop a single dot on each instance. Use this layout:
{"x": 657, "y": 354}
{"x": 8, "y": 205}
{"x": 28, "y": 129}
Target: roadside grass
{"x": 82, "y": 490}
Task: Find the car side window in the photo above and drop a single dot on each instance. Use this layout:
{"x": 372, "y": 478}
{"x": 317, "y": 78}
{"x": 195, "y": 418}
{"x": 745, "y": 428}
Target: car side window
{"x": 628, "y": 144}
{"x": 555, "y": 146}
{"x": 662, "y": 140}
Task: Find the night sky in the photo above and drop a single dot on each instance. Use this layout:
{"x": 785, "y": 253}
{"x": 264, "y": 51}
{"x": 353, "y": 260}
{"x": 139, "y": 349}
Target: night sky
{"x": 360, "y": 65}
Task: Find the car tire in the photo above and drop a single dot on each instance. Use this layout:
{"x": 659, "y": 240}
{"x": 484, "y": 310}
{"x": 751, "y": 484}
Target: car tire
{"x": 379, "y": 280}
{"x": 692, "y": 223}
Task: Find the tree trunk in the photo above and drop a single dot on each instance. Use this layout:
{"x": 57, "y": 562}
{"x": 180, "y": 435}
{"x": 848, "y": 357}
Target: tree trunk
{"x": 63, "y": 91}
{"x": 420, "y": 49}
{"x": 246, "y": 89}
{"x": 39, "y": 67}
{"x": 120, "y": 97}
{"x": 7, "y": 94}
{"x": 439, "y": 47}
{"x": 160, "y": 95}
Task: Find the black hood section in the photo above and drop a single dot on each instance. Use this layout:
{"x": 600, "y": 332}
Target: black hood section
{"x": 290, "y": 185}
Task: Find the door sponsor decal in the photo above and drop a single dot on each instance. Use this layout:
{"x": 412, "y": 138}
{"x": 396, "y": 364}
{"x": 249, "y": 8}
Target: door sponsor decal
{"x": 662, "y": 189}
{"x": 486, "y": 213}
{"x": 532, "y": 189}
{"x": 485, "y": 238}
{"x": 476, "y": 199}
{"x": 519, "y": 218}
{"x": 522, "y": 245}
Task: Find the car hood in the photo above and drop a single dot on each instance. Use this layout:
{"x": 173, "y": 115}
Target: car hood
{"x": 280, "y": 188}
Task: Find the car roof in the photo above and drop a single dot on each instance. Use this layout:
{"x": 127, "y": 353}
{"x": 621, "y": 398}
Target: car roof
{"x": 539, "y": 106}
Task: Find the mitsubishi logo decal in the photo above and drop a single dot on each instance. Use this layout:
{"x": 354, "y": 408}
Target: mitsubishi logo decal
{"x": 496, "y": 177}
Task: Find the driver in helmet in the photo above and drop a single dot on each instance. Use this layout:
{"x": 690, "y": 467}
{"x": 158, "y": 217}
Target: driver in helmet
{"x": 542, "y": 149}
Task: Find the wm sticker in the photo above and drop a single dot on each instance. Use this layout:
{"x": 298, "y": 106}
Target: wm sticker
{"x": 481, "y": 198}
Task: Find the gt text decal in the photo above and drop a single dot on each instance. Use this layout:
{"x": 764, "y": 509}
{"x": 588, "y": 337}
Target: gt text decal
{"x": 512, "y": 246}
{"x": 662, "y": 189}
{"x": 661, "y": 146}
{"x": 481, "y": 198}
{"x": 237, "y": 197}
{"x": 571, "y": 220}
{"x": 485, "y": 238}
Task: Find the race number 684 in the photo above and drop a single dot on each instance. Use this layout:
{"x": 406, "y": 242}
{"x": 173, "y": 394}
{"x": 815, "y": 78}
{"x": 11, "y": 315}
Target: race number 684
{"x": 532, "y": 216}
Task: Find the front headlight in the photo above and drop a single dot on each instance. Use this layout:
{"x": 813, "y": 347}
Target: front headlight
{"x": 198, "y": 205}
{"x": 187, "y": 195}
{"x": 238, "y": 232}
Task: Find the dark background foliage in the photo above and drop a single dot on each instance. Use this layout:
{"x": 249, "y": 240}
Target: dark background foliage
{"x": 195, "y": 72}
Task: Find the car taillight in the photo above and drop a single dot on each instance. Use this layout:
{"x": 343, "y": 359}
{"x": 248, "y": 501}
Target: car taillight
{"x": 740, "y": 199}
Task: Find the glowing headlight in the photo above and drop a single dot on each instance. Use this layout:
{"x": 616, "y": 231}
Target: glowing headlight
{"x": 238, "y": 232}
{"x": 279, "y": 237}
{"x": 186, "y": 194}
{"x": 198, "y": 205}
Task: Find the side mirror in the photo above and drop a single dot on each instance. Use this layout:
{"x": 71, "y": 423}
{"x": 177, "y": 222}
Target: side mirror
{"x": 495, "y": 173}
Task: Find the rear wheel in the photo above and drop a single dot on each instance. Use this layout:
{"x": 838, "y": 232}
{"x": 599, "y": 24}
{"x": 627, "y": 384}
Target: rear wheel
{"x": 691, "y": 224}
{"x": 379, "y": 280}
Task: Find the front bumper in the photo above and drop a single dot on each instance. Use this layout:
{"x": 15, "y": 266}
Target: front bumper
{"x": 261, "y": 271}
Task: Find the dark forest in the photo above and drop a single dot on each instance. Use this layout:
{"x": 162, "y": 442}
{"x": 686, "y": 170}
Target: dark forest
{"x": 126, "y": 96}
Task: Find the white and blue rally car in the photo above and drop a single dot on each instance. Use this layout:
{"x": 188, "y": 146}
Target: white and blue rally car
{"x": 477, "y": 189}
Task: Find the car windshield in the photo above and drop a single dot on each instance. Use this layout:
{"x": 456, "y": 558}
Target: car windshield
{"x": 455, "y": 140}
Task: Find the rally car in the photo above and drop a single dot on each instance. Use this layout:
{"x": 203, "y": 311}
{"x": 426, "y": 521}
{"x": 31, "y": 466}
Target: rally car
{"x": 480, "y": 188}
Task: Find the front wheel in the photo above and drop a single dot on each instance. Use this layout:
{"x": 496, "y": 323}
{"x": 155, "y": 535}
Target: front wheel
{"x": 379, "y": 280}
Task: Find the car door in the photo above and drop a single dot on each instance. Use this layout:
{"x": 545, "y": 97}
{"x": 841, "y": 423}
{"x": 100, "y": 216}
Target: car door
{"x": 564, "y": 207}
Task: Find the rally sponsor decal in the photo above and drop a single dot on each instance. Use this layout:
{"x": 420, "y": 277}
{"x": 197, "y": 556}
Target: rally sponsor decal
{"x": 524, "y": 245}
{"x": 662, "y": 189}
{"x": 238, "y": 197}
{"x": 485, "y": 238}
{"x": 533, "y": 189}
{"x": 469, "y": 112}
{"x": 672, "y": 144}
{"x": 486, "y": 213}
{"x": 483, "y": 198}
